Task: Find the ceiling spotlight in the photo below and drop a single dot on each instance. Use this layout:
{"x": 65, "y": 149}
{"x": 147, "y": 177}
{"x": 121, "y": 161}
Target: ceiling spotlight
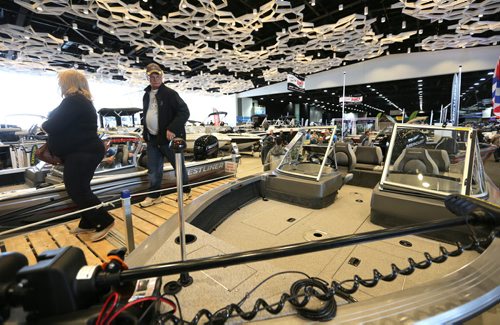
{"x": 440, "y": 21}
{"x": 368, "y": 86}
{"x": 420, "y": 31}
{"x": 85, "y": 11}
{"x": 121, "y": 51}
{"x": 39, "y": 9}
{"x": 482, "y": 79}
{"x": 137, "y": 60}
{"x": 403, "y": 24}
{"x": 341, "y": 7}
{"x": 100, "y": 39}
{"x": 164, "y": 19}
{"x": 65, "y": 38}
{"x": 217, "y": 46}
{"x": 366, "y": 11}
{"x": 313, "y": 3}
{"x": 75, "y": 26}
{"x": 382, "y": 19}
{"x": 490, "y": 73}
{"x": 409, "y": 50}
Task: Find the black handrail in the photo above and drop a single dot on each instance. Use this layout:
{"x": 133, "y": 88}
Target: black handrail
{"x": 280, "y": 251}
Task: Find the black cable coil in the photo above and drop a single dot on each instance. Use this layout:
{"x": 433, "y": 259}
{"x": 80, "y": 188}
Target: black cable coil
{"x": 318, "y": 288}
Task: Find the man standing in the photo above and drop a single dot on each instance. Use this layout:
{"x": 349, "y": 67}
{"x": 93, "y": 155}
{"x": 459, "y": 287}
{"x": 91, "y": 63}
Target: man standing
{"x": 165, "y": 114}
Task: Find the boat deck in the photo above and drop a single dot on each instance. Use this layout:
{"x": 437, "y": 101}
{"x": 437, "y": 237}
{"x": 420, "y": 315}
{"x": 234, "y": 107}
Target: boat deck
{"x": 145, "y": 221}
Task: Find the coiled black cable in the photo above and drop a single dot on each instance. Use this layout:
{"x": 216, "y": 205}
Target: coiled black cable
{"x": 303, "y": 290}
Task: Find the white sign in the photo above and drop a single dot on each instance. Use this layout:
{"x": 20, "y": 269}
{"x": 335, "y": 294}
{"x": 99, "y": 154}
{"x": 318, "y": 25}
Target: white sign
{"x": 351, "y": 99}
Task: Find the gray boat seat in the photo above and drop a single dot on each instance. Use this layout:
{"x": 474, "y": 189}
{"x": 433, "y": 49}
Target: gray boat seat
{"x": 447, "y": 143}
{"x": 368, "y": 158}
{"x": 346, "y": 158}
{"x": 441, "y": 159}
{"x": 416, "y": 160}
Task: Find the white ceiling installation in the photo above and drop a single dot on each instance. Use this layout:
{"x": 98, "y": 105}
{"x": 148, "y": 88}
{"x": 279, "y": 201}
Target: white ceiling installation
{"x": 209, "y": 22}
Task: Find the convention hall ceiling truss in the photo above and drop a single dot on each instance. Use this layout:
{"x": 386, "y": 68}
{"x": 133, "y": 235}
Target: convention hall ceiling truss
{"x": 232, "y": 46}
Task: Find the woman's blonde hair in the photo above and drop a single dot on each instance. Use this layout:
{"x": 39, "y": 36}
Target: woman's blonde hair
{"x": 72, "y": 82}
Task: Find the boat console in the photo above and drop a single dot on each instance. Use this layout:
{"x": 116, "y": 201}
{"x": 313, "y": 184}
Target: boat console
{"x": 419, "y": 174}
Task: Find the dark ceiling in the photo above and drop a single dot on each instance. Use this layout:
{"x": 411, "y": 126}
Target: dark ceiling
{"x": 387, "y": 22}
{"x": 392, "y": 95}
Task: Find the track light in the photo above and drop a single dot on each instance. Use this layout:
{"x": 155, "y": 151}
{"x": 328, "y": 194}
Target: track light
{"x": 100, "y": 39}
{"x": 382, "y": 19}
{"x": 403, "y": 24}
{"x": 341, "y": 7}
{"x": 75, "y": 26}
{"x": 366, "y": 11}
{"x": 313, "y": 3}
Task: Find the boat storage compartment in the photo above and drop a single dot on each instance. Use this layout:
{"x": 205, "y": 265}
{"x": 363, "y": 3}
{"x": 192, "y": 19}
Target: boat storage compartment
{"x": 304, "y": 192}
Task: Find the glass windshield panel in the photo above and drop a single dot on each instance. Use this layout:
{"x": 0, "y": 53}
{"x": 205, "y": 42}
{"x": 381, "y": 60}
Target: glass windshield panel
{"x": 427, "y": 159}
{"x": 295, "y": 158}
{"x": 478, "y": 184}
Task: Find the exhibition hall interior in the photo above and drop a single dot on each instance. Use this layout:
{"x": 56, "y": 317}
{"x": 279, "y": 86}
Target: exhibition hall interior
{"x": 238, "y": 161}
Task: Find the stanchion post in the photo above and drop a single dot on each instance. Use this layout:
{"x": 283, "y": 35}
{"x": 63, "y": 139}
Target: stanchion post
{"x": 178, "y": 145}
{"x": 127, "y": 214}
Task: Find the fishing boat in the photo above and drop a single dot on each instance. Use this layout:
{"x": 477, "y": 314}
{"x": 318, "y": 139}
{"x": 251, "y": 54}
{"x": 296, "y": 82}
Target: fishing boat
{"x": 289, "y": 206}
{"x": 42, "y": 193}
{"x": 300, "y": 244}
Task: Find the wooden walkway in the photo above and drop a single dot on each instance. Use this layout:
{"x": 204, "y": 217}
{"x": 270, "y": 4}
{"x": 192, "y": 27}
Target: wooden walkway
{"x": 145, "y": 221}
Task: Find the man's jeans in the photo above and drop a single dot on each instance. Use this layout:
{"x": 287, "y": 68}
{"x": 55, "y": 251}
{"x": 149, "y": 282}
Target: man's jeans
{"x": 156, "y": 154}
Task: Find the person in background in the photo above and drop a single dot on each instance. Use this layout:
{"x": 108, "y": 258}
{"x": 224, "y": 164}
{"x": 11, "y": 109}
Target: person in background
{"x": 364, "y": 140}
{"x": 72, "y": 130}
{"x": 165, "y": 114}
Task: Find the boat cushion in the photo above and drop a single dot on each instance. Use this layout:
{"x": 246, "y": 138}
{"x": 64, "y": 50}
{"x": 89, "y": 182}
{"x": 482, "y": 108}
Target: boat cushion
{"x": 416, "y": 160}
{"x": 441, "y": 159}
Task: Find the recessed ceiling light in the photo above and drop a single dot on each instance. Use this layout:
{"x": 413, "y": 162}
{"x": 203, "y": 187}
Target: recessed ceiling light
{"x": 368, "y": 86}
{"x": 490, "y": 73}
{"x": 482, "y": 79}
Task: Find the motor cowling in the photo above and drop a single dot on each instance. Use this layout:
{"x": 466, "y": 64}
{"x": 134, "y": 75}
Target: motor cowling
{"x": 205, "y": 147}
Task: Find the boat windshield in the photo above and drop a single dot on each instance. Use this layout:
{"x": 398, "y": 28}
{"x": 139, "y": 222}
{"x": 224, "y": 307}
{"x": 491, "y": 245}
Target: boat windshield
{"x": 435, "y": 160}
{"x": 294, "y": 161}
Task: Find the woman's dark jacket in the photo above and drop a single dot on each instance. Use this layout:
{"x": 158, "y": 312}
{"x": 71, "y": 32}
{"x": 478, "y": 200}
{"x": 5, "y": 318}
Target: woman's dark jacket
{"x": 173, "y": 113}
{"x": 72, "y": 127}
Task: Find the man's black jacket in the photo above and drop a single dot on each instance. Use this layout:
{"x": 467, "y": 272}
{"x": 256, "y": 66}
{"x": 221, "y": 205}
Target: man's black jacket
{"x": 173, "y": 113}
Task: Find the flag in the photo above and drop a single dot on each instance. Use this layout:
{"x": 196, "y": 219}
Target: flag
{"x": 495, "y": 91}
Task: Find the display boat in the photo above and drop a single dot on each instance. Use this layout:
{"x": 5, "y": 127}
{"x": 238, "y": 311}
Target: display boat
{"x": 43, "y": 195}
{"x": 301, "y": 239}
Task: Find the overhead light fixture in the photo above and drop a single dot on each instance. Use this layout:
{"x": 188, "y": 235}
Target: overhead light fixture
{"x": 409, "y": 50}
{"x": 100, "y": 39}
{"x": 420, "y": 31}
{"x": 313, "y": 3}
{"x": 65, "y": 38}
{"x": 382, "y": 19}
{"x": 366, "y": 11}
{"x": 403, "y": 24}
{"x": 137, "y": 60}
{"x": 217, "y": 46}
{"x": 39, "y": 9}
{"x": 75, "y": 26}
{"x": 164, "y": 19}
{"x": 341, "y": 7}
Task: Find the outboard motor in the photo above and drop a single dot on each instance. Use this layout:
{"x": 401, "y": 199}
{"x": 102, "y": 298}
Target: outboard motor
{"x": 206, "y": 147}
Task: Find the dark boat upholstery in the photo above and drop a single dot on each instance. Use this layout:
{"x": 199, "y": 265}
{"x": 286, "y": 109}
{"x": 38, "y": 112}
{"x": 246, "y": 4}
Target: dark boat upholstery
{"x": 441, "y": 159}
{"x": 413, "y": 160}
{"x": 345, "y": 156}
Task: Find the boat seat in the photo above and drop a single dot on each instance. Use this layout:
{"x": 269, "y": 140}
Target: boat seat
{"x": 416, "y": 160}
{"x": 345, "y": 156}
{"x": 447, "y": 143}
{"x": 441, "y": 159}
{"x": 368, "y": 158}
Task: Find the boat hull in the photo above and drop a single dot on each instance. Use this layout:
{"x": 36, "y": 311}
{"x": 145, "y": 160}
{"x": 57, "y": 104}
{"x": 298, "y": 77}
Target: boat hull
{"x": 18, "y": 208}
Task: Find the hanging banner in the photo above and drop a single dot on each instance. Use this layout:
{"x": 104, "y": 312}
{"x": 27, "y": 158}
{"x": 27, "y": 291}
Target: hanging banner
{"x": 296, "y": 83}
{"x": 351, "y": 99}
{"x": 455, "y": 98}
{"x": 495, "y": 91}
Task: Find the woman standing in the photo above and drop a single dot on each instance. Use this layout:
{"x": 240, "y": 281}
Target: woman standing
{"x": 72, "y": 130}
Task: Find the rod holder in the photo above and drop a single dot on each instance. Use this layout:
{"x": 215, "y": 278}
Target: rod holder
{"x": 127, "y": 213}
